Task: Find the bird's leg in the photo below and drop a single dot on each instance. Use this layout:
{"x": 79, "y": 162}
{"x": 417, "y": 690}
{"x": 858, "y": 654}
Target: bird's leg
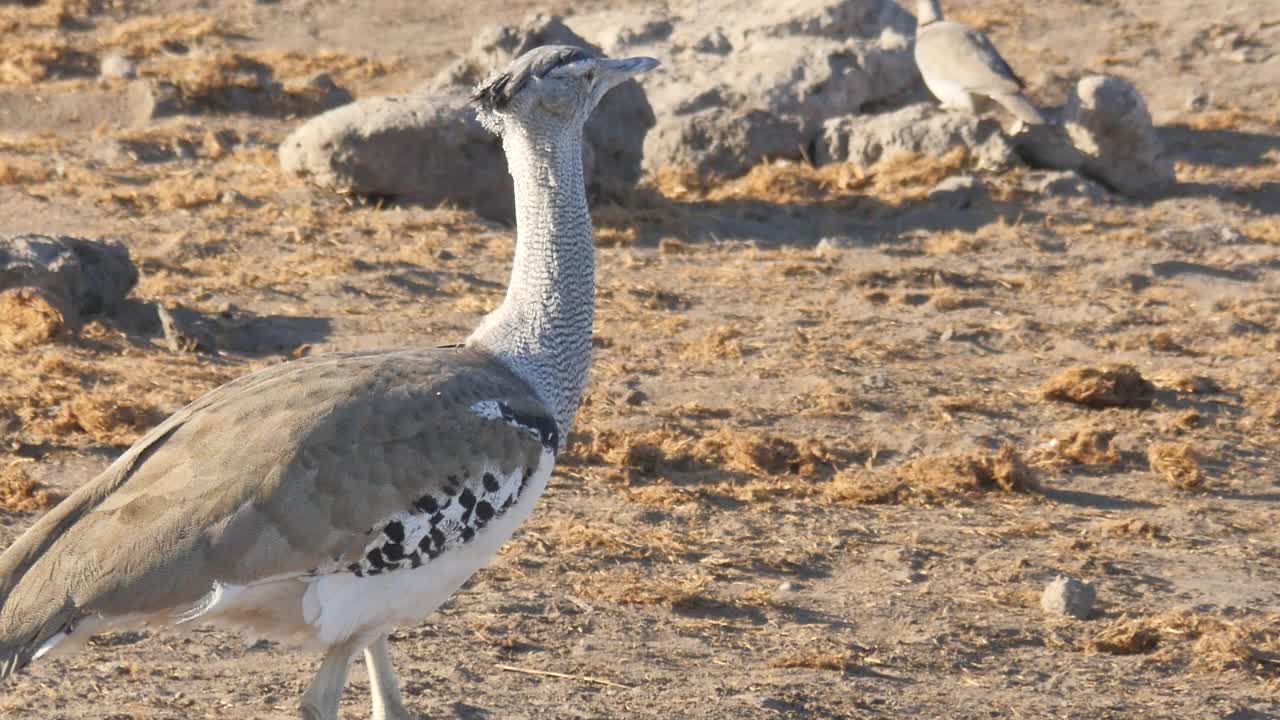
{"x": 320, "y": 701}
{"x": 383, "y": 684}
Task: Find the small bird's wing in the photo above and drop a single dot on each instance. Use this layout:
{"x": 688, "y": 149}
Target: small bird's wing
{"x": 965, "y": 57}
{"x": 290, "y": 471}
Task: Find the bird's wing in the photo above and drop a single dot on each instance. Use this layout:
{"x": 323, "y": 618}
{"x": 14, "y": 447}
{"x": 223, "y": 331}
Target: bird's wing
{"x": 290, "y": 471}
{"x": 965, "y": 57}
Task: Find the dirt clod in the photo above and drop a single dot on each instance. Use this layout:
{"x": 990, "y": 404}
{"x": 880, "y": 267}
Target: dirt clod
{"x": 1068, "y": 596}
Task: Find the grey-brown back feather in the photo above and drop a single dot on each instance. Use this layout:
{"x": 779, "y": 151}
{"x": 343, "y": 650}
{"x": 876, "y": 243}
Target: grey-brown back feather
{"x": 965, "y": 56}
{"x": 325, "y": 448}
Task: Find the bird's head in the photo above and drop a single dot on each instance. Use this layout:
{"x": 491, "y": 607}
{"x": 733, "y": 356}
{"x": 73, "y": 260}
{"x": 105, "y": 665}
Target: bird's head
{"x": 553, "y": 87}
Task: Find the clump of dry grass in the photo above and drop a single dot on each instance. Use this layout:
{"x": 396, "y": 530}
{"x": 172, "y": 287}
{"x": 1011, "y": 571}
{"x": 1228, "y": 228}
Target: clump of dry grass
{"x": 668, "y": 586}
{"x": 1086, "y": 445}
{"x": 813, "y": 659}
{"x": 29, "y": 316}
{"x": 675, "y": 448}
{"x": 1206, "y": 642}
{"x": 906, "y": 176}
{"x": 235, "y": 82}
{"x": 936, "y": 479}
{"x": 1100, "y": 387}
{"x": 1186, "y": 382}
{"x": 717, "y": 345}
{"x": 947, "y": 299}
{"x": 758, "y": 453}
{"x": 1132, "y": 527}
{"x": 79, "y": 395}
{"x": 147, "y": 35}
{"x": 976, "y": 471}
{"x": 1177, "y": 463}
{"x": 778, "y": 181}
{"x": 20, "y": 494}
{"x": 604, "y": 540}
{"x": 1230, "y": 119}
{"x": 894, "y": 180}
{"x": 22, "y": 171}
{"x": 106, "y": 419}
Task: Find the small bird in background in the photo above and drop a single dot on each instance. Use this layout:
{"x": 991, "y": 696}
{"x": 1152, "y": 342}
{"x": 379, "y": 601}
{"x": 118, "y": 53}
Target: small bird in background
{"x": 961, "y": 67}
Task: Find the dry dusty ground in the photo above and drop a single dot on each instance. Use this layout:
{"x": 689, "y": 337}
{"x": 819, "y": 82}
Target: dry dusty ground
{"x": 810, "y": 480}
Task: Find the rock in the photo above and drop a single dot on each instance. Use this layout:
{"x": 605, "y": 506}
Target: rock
{"x": 960, "y": 192}
{"x": 1068, "y": 596}
{"x": 117, "y": 67}
{"x": 648, "y": 32}
{"x": 921, "y": 128}
{"x": 1108, "y": 122}
{"x": 419, "y": 147}
{"x": 151, "y": 99}
{"x": 1200, "y": 237}
{"x": 87, "y": 277}
{"x": 315, "y": 94}
{"x": 1047, "y": 146}
{"x": 714, "y": 42}
{"x": 763, "y": 82}
{"x": 1199, "y": 101}
{"x": 722, "y": 142}
{"x": 1062, "y": 183}
{"x": 615, "y": 133}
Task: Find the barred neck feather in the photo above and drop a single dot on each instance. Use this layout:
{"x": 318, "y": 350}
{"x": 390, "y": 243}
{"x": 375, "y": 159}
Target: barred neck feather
{"x": 542, "y": 330}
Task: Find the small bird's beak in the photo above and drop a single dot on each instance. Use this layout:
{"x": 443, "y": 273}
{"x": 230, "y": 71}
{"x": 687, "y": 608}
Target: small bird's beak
{"x": 617, "y": 70}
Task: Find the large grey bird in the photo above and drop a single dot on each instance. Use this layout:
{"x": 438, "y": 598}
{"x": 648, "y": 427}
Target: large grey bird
{"x": 325, "y": 501}
{"x": 961, "y": 66}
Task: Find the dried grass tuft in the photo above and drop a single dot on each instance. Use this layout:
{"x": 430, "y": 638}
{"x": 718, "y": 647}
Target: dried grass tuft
{"x": 813, "y": 660}
{"x": 1083, "y": 446}
{"x": 148, "y": 35}
{"x": 716, "y": 346}
{"x": 1101, "y": 387}
{"x": 1206, "y": 642}
{"x": 28, "y": 317}
{"x": 22, "y": 171}
{"x": 107, "y": 420}
{"x": 936, "y": 479}
{"x": 1133, "y": 527}
{"x": 20, "y": 494}
{"x": 1177, "y": 463}
{"x": 671, "y": 588}
{"x": 907, "y": 176}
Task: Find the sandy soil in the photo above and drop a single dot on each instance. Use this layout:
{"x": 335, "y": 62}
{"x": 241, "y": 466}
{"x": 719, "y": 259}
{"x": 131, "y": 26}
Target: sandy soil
{"x": 811, "y": 479}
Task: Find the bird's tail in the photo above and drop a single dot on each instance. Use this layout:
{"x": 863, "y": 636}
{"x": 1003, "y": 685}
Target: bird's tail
{"x": 1021, "y": 108}
{"x": 35, "y": 598}
{"x": 24, "y": 635}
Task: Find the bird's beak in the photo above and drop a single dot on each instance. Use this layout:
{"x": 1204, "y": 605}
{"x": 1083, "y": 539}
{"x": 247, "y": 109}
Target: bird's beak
{"x": 614, "y": 71}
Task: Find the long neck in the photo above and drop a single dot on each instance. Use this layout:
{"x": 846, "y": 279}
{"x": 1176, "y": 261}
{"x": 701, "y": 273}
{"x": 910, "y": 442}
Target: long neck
{"x": 542, "y": 330}
{"x": 927, "y": 11}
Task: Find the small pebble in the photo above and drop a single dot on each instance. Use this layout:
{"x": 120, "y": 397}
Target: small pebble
{"x": 1068, "y": 596}
{"x": 117, "y": 66}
